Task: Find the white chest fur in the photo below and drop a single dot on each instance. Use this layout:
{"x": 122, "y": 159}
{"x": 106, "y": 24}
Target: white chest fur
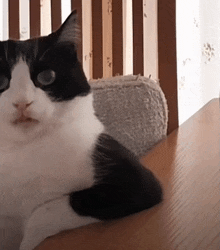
{"x": 33, "y": 174}
{"x": 49, "y": 167}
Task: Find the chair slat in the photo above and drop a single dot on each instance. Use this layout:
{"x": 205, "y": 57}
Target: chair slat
{"x": 138, "y": 46}
{"x": 35, "y": 18}
{"x": 13, "y": 6}
{"x": 117, "y": 37}
{"x": 55, "y": 14}
{"x": 97, "y": 40}
{"x": 167, "y": 57}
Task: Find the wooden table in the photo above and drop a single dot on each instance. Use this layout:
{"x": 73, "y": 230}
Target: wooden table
{"x": 187, "y": 163}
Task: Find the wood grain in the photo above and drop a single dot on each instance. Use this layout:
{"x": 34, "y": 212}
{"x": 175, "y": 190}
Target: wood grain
{"x": 117, "y": 37}
{"x": 34, "y": 18}
{"x": 187, "y": 163}
{"x": 167, "y": 68}
{"x": 13, "y": 10}
{"x": 97, "y": 40}
{"x": 138, "y": 39}
{"x": 55, "y": 14}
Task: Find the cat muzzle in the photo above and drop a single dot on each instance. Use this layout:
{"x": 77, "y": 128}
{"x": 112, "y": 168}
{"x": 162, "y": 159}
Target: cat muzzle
{"x": 26, "y": 121}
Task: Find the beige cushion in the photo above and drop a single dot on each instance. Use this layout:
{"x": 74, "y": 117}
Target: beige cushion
{"x": 133, "y": 109}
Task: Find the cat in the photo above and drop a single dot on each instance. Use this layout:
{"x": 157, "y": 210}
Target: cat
{"x": 59, "y": 168}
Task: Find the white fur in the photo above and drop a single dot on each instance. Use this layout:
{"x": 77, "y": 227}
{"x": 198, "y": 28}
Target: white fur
{"x": 58, "y": 216}
{"x": 48, "y": 159}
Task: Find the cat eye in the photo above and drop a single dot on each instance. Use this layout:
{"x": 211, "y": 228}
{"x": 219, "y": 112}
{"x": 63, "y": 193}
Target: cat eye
{"x": 3, "y": 82}
{"x": 46, "y": 77}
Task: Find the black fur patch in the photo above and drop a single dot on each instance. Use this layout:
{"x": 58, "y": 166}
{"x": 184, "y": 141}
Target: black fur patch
{"x": 45, "y": 53}
{"x": 123, "y": 186}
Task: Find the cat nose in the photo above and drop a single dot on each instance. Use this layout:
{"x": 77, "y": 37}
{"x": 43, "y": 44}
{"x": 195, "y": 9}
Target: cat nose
{"x": 22, "y": 105}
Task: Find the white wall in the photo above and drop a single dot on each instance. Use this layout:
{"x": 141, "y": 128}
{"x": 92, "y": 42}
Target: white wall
{"x": 210, "y": 35}
{"x": 3, "y": 20}
{"x": 198, "y": 25}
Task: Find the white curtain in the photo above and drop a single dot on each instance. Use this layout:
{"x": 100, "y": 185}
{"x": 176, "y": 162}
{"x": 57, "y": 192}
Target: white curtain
{"x": 198, "y": 54}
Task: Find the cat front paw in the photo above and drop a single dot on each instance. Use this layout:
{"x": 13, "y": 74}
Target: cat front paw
{"x": 29, "y": 244}
{"x": 49, "y": 219}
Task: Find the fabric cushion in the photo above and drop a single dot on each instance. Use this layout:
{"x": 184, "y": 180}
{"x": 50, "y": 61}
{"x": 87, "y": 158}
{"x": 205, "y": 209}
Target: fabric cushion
{"x": 133, "y": 109}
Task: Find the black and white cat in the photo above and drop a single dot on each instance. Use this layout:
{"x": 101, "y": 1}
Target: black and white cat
{"x": 58, "y": 168}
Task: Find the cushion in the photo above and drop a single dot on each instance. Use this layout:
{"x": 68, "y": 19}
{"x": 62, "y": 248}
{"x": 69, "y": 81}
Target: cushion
{"x": 133, "y": 110}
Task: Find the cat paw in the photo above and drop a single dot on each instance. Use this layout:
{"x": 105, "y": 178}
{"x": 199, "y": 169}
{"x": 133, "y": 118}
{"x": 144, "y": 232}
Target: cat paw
{"x": 49, "y": 219}
{"x": 26, "y": 246}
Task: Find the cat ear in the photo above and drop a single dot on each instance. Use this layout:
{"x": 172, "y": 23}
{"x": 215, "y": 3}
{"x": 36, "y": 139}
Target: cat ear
{"x": 69, "y": 30}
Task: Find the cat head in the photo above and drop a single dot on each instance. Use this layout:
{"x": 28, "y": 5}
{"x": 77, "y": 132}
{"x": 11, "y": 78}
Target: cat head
{"x": 41, "y": 82}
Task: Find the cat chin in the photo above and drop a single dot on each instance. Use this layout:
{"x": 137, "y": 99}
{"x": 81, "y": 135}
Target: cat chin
{"x": 27, "y": 128}
{"x": 27, "y": 123}
{"x": 21, "y": 132}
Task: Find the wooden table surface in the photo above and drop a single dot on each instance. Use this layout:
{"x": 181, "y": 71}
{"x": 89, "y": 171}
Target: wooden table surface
{"x": 187, "y": 163}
